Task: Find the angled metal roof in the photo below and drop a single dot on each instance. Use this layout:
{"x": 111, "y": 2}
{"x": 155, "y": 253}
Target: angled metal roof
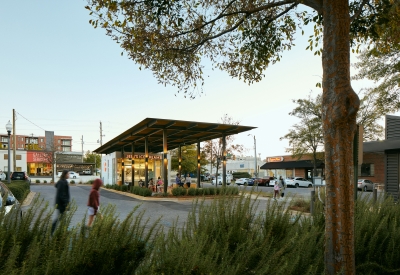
{"x": 179, "y": 132}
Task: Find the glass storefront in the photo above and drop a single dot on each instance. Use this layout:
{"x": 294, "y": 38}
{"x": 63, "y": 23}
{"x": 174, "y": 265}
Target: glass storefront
{"x": 154, "y": 169}
{"x": 40, "y": 169}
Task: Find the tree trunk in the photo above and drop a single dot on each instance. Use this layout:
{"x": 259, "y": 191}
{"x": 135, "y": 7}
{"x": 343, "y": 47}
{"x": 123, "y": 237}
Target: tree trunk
{"x": 339, "y": 109}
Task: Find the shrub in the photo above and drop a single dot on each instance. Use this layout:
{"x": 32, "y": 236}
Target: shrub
{"x": 200, "y": 191}
{"x": 90, "y": 181}
{"x": 45, "y": 181}
{"x": 192, "y": 192}
{"x": 145, "y": 192}
{"x": 124, "y": 188}
{"x": 239, "y": 175}
{"x": 211, "y": 191}
{"x": 72, "y": 182}
{"x": 20, "y": 189}
{"x": 37, "y": 181}
{"x": 300, "y": 205}
{"x": 228, "y": 235}
{"x": 179, "y": 191}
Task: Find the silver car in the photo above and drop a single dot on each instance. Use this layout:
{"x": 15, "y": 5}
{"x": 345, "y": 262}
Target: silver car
{"x": 365, "y": 185}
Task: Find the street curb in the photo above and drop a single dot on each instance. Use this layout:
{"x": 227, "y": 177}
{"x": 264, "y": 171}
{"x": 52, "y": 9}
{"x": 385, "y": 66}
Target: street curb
{"x": 28, "y": 199}
{"x": 158, "y": 198}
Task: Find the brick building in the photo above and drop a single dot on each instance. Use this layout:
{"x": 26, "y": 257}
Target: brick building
{"x": 31, "y": 142}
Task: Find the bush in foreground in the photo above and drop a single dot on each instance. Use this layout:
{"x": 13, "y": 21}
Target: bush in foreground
{"x": 20, "y": 189}
{"x": 226, "y": 236}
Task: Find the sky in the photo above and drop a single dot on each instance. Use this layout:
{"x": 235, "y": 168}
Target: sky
{"x": 62, "y": 75}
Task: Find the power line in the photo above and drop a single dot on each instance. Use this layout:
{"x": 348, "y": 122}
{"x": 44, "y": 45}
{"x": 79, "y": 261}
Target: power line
{"x": 30, "y": 121}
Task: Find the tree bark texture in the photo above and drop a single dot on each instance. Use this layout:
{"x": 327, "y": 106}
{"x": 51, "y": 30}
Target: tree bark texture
{"x": 339, "y": 109}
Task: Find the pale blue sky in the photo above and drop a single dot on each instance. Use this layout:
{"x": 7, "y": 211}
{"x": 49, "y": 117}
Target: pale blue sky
{"x": 63, "y": 75}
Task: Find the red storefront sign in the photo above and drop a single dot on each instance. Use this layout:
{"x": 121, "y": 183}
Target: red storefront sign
{"x": 39, "y": 157}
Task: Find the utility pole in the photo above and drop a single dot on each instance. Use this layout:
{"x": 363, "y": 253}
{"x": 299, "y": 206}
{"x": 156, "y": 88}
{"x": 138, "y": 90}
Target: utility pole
{"x": 14, "y": 143}
{"x": 255, "y": 158}
{"x": 82, "y": 148}
{"x": 101, "y": 134}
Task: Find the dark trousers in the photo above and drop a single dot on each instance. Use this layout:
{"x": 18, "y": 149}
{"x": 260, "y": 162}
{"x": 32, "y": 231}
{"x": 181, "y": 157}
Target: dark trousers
{"x": 61, "y": 212}
{"x": 188, "y": 184}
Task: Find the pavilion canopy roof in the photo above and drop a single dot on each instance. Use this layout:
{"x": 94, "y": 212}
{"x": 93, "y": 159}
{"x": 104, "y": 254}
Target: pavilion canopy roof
{"x": 179, "y": 132}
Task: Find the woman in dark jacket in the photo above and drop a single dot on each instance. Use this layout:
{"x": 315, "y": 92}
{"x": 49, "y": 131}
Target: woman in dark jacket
{"x": 62, "y": 197}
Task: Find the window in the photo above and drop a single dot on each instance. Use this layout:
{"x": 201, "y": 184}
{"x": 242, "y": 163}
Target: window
{"x": 367, "y": 170}
{"x": 41, "y": 140}
{"x": 66, "y": 142}
{"x": 5, "y": 156}
{"x": 18, "y": 157}
{"x": 59, "y": 141}
{"x": 19, "y": 169}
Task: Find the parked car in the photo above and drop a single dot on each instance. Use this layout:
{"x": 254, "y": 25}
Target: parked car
{"x": 73, "y": 175}
{"x": 228, "y": 181}
{"x": 242, "y": 181}
{"x": 298, "y": 182}
{"x": 272, "y": 181}
{"x": 20, "y": 176}
{"x": 262, "y": 182}
{"x": 251, "y": 182}
{"x": 87, "y": 172}
{"x": 365, "y": 185}
{"x": 8, "y": 201}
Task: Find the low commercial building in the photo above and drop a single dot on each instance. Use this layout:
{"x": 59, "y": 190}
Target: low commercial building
{"x": 381, "y": 161}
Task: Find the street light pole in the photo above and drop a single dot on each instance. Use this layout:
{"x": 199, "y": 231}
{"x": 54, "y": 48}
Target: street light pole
{"x": 9, "y": 128}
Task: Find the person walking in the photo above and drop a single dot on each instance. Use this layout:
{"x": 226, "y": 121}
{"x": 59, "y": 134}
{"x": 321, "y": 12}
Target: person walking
{"x": 282, "y": 186}
{"x": 94, "y": 201}
{"x": 276, "y": 190}
{"x": 62, "y": 197}
{"x": 188, "y": 180}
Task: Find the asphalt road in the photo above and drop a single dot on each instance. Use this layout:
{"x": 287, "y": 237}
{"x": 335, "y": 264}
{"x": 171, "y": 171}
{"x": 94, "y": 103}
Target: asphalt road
{"x": 169, "y": 212}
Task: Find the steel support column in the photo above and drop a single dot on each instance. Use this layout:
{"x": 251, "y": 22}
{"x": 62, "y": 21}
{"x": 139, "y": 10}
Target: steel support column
{"x": 146, "y": 161}
{"x": 223, "y": 160}
{"x": 165, "y": 160}
{"x": 180, "y": 160}
{"x": 198, "y": 164}
{"x": 133, "y": 163}
{"x": 122, "y": 166}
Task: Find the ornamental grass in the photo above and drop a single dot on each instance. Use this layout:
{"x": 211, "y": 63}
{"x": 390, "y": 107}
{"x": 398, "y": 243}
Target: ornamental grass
{"x": 228, "y": 235}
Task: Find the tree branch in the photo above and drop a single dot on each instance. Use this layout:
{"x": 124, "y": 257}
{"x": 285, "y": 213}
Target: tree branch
{"x": 315, "y": 4}
{"x": 203, "y": 41}
{"x": 359, "y": 10}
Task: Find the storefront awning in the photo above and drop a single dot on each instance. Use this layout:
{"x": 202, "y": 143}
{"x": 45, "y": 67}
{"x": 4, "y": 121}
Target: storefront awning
{"x": 381, "y": 145}
{"x": 291, "y": 164}
{"x": 178, "y": 132}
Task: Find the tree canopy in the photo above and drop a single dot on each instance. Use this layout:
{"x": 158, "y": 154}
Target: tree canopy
{"x": 172, "y": 37}
{"x": 91, "y": 157}
{"x": 244, "y": 37}
{"x": 189, "y": 160}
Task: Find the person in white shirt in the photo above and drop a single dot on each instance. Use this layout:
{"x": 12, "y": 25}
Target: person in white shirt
{"x": 188, "y": 180}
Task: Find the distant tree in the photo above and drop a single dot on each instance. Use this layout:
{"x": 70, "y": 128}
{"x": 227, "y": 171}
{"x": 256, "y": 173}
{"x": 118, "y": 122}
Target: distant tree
{"x": 189, "y": 159}
{"x": 91, "y": 157}
{"x": 306, "y": 137}
{"x": 213, "y": 148}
